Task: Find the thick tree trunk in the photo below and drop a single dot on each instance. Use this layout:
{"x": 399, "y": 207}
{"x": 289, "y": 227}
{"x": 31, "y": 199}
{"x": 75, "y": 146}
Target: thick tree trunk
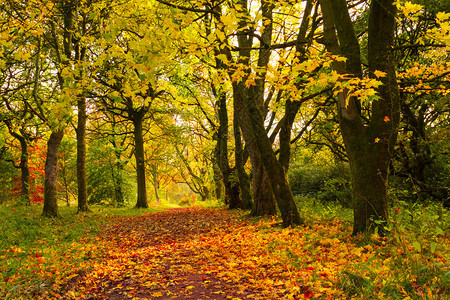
{"x": 81, "y": 156}
{"x": 263, "y": 197}
{"x": 274, "y": 170}
{"x": 140, "y": 161}
{"x": 264, "y": 203}
{"x": 51, "y": 174}
{"x": 244, "y": 181}
{"x": 368, "y": 148}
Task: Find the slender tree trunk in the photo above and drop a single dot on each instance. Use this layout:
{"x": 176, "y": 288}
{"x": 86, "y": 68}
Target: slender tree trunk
{"x": 221, "y": 152}
{"x": 81, "y": 155}
{"x": 155, "y": 183}
{"x": 117, "y": 168}
{"x": 119, "y": 185}
{"x": 24, "y": 168}
{"x": 140, "y": 161}
{"x": 290, "y": 111}
{"x": 51, "y": 174}
{"x": 25, "y": 171}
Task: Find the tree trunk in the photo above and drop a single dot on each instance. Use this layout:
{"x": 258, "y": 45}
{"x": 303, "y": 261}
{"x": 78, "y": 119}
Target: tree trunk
{"x": 368, "y": 147}
{"x": 118, "y": 182}
{"x": 25, "y": 171}
{"x": 51, "y": 174}
{"x": 81, "y": 155}
{"x": 274, "y": 170}
{"x": 155, "y": 183}
{"x": 221, "y": 153}
{"x": 117, "y": 167}
{"x": 244, "y": 181}
{"x": 290, "y": 111}
{"x": 140, "y": 161}
{"x": 263, "y": 198}
{"x": 24, "y": 168}
{"x": 218, "y": 181}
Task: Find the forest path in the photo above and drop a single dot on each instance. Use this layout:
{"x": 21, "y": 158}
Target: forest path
{"x": 181, "y": 253}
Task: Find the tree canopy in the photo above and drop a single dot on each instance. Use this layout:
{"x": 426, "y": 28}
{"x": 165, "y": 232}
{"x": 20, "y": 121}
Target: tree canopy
{"x": 225, "y": 98}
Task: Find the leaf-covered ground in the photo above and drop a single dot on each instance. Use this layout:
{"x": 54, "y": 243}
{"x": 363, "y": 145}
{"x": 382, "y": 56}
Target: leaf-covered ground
{"x": 193, "y": 253}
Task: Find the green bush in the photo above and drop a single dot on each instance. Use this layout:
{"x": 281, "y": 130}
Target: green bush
{"x": 324, "y": 182}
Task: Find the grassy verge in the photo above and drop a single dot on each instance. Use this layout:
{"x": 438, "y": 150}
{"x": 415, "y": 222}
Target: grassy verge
{"x": 38, "y": 253}
{"x": 411, "y": 262}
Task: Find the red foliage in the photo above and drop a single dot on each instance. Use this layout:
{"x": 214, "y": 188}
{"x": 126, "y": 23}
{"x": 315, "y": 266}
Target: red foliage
{"x": 36, "y": 165}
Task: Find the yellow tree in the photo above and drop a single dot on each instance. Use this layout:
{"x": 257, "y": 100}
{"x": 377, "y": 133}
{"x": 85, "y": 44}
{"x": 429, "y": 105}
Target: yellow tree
{"x": 134, "y": 60}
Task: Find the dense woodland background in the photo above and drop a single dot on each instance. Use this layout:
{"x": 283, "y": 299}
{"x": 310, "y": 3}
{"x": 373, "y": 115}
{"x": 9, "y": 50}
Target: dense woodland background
{"x": 248, "y": 102}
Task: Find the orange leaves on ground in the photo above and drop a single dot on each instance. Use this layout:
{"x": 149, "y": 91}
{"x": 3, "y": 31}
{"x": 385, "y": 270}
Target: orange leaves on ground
{"x": 193, "y": 253}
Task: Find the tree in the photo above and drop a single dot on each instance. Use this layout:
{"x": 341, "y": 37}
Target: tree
{"x": 133, "y": 62}
{"x": 369, "y": 148}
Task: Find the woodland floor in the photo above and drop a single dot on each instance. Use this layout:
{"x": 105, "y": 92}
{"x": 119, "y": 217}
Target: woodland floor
{"x": 164, "y": 255}
{"x": 196, "y": 253}
{"x": 176, "y": 254}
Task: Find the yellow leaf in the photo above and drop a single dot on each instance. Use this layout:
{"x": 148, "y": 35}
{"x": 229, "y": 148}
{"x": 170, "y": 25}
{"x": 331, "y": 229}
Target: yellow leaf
{"x": 379, "y": 74}
{"x": 219, "y": 292}
{"x": 377, "y": 140}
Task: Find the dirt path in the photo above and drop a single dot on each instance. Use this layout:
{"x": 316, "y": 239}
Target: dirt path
{"x": 164, "y": 255}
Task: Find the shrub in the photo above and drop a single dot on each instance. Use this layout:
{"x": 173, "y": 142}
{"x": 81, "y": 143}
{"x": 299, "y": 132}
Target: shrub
{"x": 324, "y": 182}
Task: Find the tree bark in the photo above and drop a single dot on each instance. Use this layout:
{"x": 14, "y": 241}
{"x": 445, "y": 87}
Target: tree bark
{"x": 154, "y": 173}
{"x": 118, "y": 182}
{"x": 290, "y": 111}
{"x": 276, "y": 174}
{"x": 140, "y": 160}
{"x": 244, "y": 181}
{"x": 369, "y": 147}
{"x": 263, "y": 198}
{"x": 51, "y": 174}
{"x": 218, "y": 181}
{"x": 221, "y": 153}
{"x": 81, "y": 155}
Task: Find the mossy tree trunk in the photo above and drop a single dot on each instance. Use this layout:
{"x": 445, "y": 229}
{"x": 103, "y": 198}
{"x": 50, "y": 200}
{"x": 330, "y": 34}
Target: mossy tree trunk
{"x": 51, "y": 174}
{"x": 368, "y": 146}
{"x": 244, "y": 181}
{"x": 139, "y": 155}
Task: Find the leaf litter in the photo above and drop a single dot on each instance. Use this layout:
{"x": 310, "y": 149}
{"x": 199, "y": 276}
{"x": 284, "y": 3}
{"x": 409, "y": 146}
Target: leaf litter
{"x": 196, "y": 253}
